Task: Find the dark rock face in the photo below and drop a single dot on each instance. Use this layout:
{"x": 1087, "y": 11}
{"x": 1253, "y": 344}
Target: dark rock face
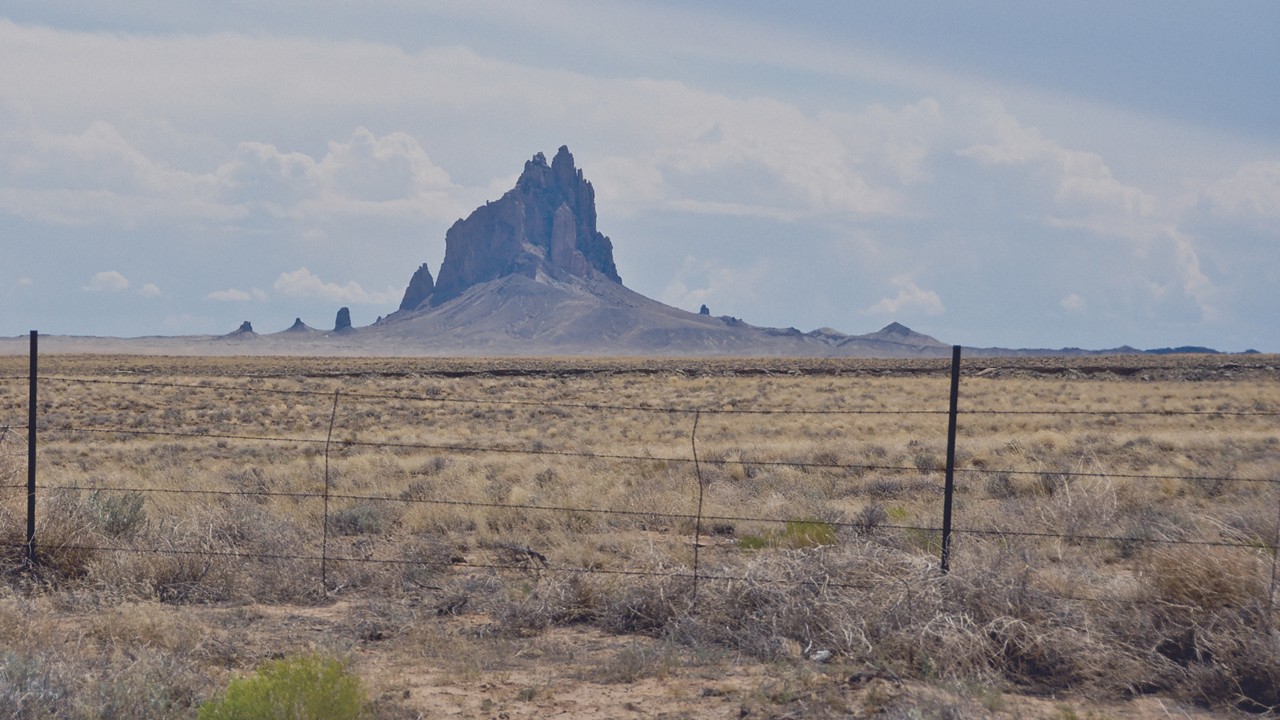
{"x": 245, "y": 327}
{"x": 704, "y": 310}
{"x": 420, "y": 288}
{"x": 546, "y": 222}
{"x": 343, "y": 321}
{"x": 298, "y": 326}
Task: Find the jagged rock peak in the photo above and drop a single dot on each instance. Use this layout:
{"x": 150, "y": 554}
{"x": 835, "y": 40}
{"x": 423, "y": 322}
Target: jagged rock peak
{"x": 420, "y": 287}
{"x": 343, "y": 320}
{"x": 245, "y": 327}
{"x": 546, "y": 223}
{"x": 298, "y": 326}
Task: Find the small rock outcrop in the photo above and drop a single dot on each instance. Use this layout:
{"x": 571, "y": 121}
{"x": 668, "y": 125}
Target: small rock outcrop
{"x": 545, "y": 224}
{"x": 245, "y": 327}
{"x": 342, "y": 323}
{"x": 298, "y": 326}
{"x": 704, "y": 310}
{"x": 420, "y": 288}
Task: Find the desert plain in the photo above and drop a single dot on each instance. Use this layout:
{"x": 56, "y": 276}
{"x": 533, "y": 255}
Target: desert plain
{"x": 679, "y": 538}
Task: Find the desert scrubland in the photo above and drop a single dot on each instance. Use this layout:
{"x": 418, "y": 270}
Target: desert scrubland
{"x": 678, "y": 538}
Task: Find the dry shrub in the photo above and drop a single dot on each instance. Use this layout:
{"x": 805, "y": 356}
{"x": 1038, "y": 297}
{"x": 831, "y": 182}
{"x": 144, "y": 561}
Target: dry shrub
{"x": 646, "y": 604}
{"x": 235, "y": 551}
{"x": 67, "y": 537}
{"x": 1211, "y": 620}
{"x": 424, "y": 561}
{"x": 366, "y": 518}
{"x": 635, "y": 661}
{"x": 1204, "y": 579}
{"x": 555, "y": 599}
{"x": 109, "y": 673}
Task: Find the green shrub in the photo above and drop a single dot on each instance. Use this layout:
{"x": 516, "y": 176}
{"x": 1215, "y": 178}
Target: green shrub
{"x": 809, "y": 533}
{"x": 796, "y": 534}
{"x": 306, "y": 687}
{"x": 119, "y": 515}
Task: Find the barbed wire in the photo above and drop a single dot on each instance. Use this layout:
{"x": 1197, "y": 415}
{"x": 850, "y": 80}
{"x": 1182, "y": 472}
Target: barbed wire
{"x": 1114, "y": 475}
{"x": 459, "y": 448}
{"x": 526, "y": 567}
{"x": 506, "y": 401}
{"x": 861, "y": 528}
{"x": 538, "y": 569}
{"x": 796, "y": 463}
{"x": 663, "y": 409}
{"x": 1108, "y": 413}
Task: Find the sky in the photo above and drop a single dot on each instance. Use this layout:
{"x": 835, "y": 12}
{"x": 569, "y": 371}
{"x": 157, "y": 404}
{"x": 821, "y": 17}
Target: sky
{"x": 1008, "y": 173}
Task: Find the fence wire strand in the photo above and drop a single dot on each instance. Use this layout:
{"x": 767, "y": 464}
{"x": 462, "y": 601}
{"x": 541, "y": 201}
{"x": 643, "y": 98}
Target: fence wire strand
{"x": 860, "y": 529}
{"x": 480, "y": 449}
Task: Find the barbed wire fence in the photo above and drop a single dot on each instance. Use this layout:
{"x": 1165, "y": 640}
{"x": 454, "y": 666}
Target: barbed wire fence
{"x": 321, "y": 441}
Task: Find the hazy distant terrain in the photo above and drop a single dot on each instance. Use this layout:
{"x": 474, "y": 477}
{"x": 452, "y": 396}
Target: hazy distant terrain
{"x": 531, "y": 275}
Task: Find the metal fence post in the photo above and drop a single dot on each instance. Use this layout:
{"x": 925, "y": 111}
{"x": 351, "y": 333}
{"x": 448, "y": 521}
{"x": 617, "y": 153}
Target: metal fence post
{"x": 1275, "y": 560}
{"x": 324, "y": 542}
{"x": 31, "y": 454}
{"x": 949, "y": 490}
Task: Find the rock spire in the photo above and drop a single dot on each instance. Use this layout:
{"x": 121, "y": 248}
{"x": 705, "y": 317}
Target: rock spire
{"x": 342, "y": 321}
{"x": 420, "y": 288}
{"x": 545, "y": 224}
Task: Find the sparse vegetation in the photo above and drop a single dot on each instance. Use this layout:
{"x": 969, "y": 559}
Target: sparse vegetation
{"x": 305, "y": 687}
{"x": 466, "y": 532}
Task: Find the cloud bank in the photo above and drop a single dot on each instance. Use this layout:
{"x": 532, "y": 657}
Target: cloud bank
{"x": 771, "y": 172}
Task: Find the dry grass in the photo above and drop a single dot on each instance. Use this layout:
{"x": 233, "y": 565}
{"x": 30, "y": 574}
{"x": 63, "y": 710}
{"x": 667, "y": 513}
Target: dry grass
{"x": 1128, "y": 553}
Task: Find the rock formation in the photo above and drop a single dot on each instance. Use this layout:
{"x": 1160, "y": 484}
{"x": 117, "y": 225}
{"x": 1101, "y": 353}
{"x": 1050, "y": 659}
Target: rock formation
{"x": 298, "y": 326}
{"x": 245, "y": 327}
{"x": 420, "y": 287}
{"x": 545, "y": 224}
{"x": 529, "y": 274}
{"x": 342, "y": 323}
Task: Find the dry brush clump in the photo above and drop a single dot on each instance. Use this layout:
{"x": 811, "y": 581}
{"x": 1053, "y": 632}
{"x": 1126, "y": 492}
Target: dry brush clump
{"x": 126, "y": 661}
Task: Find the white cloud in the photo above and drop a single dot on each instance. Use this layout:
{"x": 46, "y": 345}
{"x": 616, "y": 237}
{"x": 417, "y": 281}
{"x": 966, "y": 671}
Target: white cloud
{"x": 1252, "y": 192}
{"x": 107, "y": 281}
{"x": 25, "y": 282}
{"x": 372, "y": 168}
{"x": 150, "y": 290}
{"x": 895, "y": 142}
{"x": 302, "y": 283}
{"x": 258, "y": 173}
{"x": 99, "y": 175}
{"x": 1083, "y": 185}
{"x": 910, "y": 300}
{"x": 1074, "y": 303}
{"x": 1190, "y": 276}
{"x": 321, "y": 143}
{"x": 705, "y": 281}
{"x": 236, "y": 295}
{"x": 787, "y": 154}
